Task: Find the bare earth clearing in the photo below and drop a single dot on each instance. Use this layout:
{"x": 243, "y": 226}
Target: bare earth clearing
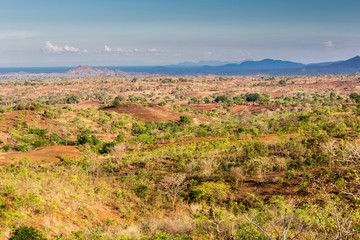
{"x": 41, "y": 155}
{"x": 152, "y": 112}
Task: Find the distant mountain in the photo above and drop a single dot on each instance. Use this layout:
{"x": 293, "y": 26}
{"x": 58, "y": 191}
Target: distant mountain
{"x": 322, "y": 63}
{"x": 352, "y": 64}
{"x": 349, "y": 66}
{"x": 87, "y": 71}
{"x": 265, "y": 67}
{"x": 265, "y": 64}
{"x": 84, "y": 70}
{"x": 244, "y": 68}
{"x": 80, "y": 71}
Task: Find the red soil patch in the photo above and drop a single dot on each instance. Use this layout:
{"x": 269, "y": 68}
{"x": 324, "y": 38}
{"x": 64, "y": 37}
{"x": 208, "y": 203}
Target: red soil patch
{"x": 42, "y": 154}
{"x": 332, "y": 84}
{"x": 152, "y": 112}
{"x": 11, "y": 118}
{"x": 87, "y": 104}
{"x": 265, "y": 186}
{"x": 201, "y": 107}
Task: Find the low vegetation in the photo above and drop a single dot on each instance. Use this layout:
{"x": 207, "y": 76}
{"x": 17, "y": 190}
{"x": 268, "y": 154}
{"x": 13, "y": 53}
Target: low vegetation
{"x": 233, "y": 165}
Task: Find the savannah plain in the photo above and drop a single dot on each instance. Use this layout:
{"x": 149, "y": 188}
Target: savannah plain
{"x": 164, "y": 157}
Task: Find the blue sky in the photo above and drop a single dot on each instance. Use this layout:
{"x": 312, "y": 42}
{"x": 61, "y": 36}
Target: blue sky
{"x": 156, "y": 32}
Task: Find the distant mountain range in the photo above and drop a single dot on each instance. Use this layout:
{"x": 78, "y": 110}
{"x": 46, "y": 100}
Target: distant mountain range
{"x": 266, "y": 67}
{"x": 349, "y": 66}
{"x": 266, "y": 64}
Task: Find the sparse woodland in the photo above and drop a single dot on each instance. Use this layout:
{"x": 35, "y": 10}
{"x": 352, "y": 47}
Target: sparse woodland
{"x": 222, "y": 158}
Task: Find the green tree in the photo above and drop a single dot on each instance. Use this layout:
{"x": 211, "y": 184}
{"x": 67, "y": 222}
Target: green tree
{"x": 252, "y": 97}
{"x": 264, "y": 99}
{"x": 355, "y": 97}
{"x": 222, "y": 98}
{"x": 26, "y": 233}
{"x": 185, "y": 120}
{"x": 71, "y": 98}
{"x": 282, "y": 82}
{"x": 116, "y": 103}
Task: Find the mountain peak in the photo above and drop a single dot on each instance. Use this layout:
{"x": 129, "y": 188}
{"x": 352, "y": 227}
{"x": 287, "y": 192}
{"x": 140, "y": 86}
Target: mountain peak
{"x": 350, "y": 63}
{"x": 356, "y": 58}
{"x": 85, "y": 70}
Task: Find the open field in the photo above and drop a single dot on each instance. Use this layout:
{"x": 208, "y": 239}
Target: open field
{"x": 158, "y": 157}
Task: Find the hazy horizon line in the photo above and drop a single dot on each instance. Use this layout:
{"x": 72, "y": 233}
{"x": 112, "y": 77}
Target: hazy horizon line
{"x": 170, "y": 64}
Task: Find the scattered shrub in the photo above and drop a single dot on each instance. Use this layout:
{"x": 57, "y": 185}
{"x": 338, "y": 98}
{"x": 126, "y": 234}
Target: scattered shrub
{"x": 290, "y": 174}
{"x": 26, "y": 233}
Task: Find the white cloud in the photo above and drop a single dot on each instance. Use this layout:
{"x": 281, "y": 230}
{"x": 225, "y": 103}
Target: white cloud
{"x": 51, "y": 48}
{"x": 71, "y": 49}
{"x": 153, "y": 50}
{"x": 328, "y": 44}
{"x": 107, "y": 49}
{"x": 17, "y": 35}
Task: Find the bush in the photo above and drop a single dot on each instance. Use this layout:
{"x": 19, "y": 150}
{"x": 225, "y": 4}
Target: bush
{"x": 38, "y": 131}
{"x": 82, "y": 139}
{"x": 6, "y": 148}
{"x": 210, "y": 190}
{"x": 138, "y": 128}
{"x": 120, "y": 138}
{"x": 282, "y": 82}
{"x": 55, "y": 138}
{"x": 252, "y": 97}
{"x": 23, "y": 147}
{"x": 106, "y": 147}
{"x": 185, "y": 120}
{"x": 279, "y": 180}
{"x": 40, "y": 143}
{"x": 222, "y": 98}
{"x": 290, "y": 174}
{"x": 26, "y": 233}
{"x": 140, "y": 190}
{"x": 116, "y": 103}
{"x": 71, "y": 98}
{"x": 355, "y": 97}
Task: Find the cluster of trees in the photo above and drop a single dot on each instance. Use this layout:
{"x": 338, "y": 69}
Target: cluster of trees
{"x": 355, "y": 97}
{"x": 240, "y": 99}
